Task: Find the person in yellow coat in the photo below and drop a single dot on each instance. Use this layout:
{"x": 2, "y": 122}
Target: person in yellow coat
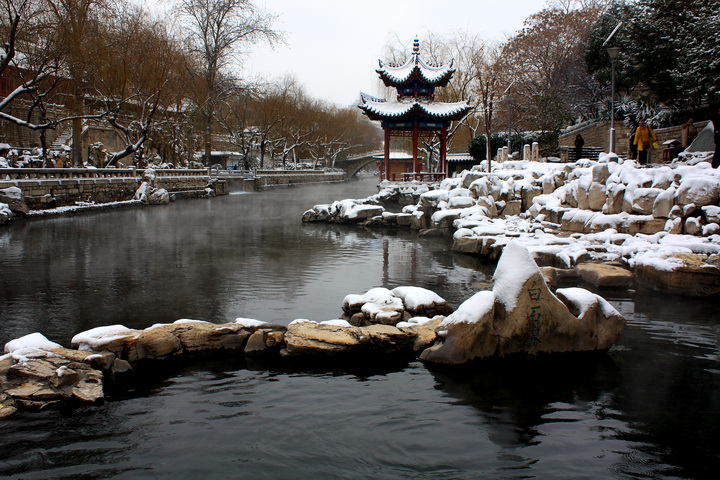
{"x": 645, "y": 140}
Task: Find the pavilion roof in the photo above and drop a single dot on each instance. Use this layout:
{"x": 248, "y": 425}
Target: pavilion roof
{"x": 395, "y": 109}
{"x": 415, "y": 67}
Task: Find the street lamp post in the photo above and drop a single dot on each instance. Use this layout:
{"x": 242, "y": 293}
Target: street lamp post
{"x": 613, "y": 53}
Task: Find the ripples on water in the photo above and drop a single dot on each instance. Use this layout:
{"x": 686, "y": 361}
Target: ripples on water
{"x": 648, "y": 409}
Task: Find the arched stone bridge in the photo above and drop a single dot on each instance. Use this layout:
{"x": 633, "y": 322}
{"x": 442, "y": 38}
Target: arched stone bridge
{"x": 353, "y": 165}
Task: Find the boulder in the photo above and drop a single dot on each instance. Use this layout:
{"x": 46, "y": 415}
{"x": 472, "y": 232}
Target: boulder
{"x": 522, "y": 316}
{"x": 710, "y": 229}
{"x": 512, "y": 207}
{"x": 388, "y": 307}
{"x": 7, "y": 405}
{"x": 264, "y": 341}
{"x": 664, "y": 203}
{"x": 151, "y": 344}
{"x": 158, "y": 196}
{"x": 693, "y": 226}
{"x": 600, "y": 173}
{"x": 197, "y": 336}
{"x": 605, "y": 275}
{"x": 49, "y": 378}
{"x": 467, "y": 244}
{"x": 528, "y": 194}
{"x": 694, "y": 275}
{"x": 304, "y": 337}
{"x": 433, "y": 198}
{"x": 548, "y": 184}
{"x": 15, "y": 200}
{"x": 422, "y": 302}
{"x": 674, "y": 226}
{"x": 596, "y": 196}
{"x": 595, "y": 311}
{"x": 711, "y": 213}
{"x": 582, "y": 193}
{"x": 700, "y": 191}
{"x": 461, "y": 202}
{"x": 423, "y": 329}
{"x": 467, "y": 334}
{"x": 643, "y": 200}
{"x": 614, "y": 202}
{"x": 445, "y": 218}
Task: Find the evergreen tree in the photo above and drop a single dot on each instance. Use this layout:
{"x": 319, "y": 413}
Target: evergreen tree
{"x": 670, "y": 49}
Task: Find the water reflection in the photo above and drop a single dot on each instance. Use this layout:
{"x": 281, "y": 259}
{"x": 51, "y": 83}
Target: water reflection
{"x": 671, "y": 392}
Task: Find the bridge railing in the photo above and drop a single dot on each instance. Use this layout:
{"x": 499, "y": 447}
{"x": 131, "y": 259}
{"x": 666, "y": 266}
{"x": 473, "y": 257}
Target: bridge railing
{"x": 291, "y": 172}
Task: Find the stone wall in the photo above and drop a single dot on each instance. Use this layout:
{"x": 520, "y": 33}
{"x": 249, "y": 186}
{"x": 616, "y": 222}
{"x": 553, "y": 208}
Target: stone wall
{"x": 51, "y": 193}
{"x": 674, "y": 133}
{"x": 598, "y": 135}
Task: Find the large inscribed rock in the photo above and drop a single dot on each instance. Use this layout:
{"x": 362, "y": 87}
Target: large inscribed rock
{"x": 522, "y": 315}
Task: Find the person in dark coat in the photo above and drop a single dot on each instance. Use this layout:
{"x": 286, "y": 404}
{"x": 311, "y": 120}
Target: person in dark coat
{"x": 715, "y": 117}
{"x": 579, "y": 143}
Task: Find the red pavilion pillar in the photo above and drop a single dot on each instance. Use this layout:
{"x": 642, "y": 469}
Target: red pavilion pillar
{"x": 443, "y": 151}
{"x": 386, "y": 156}
{"x": 416, "y": 136}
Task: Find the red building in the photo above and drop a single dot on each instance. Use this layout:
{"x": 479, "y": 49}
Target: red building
{"x": 414, "y": 112}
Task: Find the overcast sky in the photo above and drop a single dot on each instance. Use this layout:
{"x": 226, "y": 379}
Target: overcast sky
{"x": 333, "y": 46}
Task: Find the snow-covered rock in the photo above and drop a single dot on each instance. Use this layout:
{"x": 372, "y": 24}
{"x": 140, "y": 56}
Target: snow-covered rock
{"x": 14, "y": 200}
{"x": 522, "y": 316}
{"x": 389, "y": 307}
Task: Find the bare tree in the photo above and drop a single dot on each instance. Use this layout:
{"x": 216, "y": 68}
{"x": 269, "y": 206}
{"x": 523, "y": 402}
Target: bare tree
{"x": 78, "y": 26}
{"x": 45, "y": 46}
{"x": 547, "y": 63}
{"x": 216, "y": 31}
{"x": 28, "y": 75}
{"x": 140, "y": 78}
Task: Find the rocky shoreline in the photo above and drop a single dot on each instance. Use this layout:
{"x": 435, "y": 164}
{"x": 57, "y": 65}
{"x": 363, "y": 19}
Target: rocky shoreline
{"x": 607, "y": 223}
{"x": 521, "y": 315}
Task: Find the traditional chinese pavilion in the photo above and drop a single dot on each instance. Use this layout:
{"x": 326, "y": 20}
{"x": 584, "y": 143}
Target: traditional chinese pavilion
{"x": 414, "y": 113}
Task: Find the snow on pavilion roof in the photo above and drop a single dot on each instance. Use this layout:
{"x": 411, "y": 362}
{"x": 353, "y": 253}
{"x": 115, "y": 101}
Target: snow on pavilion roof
{"x": 435, "y": 75}
{"x": 394, "y": 109}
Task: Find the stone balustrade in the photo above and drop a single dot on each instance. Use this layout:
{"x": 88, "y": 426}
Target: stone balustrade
{"x": 73, "y": 173}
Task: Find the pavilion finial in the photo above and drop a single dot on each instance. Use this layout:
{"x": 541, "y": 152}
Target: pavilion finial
{"x": 416, "y": 46}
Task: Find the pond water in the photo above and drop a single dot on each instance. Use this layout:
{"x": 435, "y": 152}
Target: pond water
{"x": 649, "y": 408}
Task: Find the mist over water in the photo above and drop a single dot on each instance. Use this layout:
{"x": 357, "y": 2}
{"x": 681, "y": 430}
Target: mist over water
{"x": 650, "y": 408}
{"x": 244, "y": 255}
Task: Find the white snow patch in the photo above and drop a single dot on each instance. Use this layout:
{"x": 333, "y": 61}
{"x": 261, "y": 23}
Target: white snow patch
{"x": 514, "y": 268}
{"x": 33, "y": 340}
{"x": 90, "y": 339}
{"x": 415, "y": 298}
{"x": 582, "y": 299}
{"x": 414, "y": 322}
{"x": 249, "y": 322}
{"x": 471, "y": 310}
{"x": 300, "y": 320}
{"x": 336, "y": 322}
